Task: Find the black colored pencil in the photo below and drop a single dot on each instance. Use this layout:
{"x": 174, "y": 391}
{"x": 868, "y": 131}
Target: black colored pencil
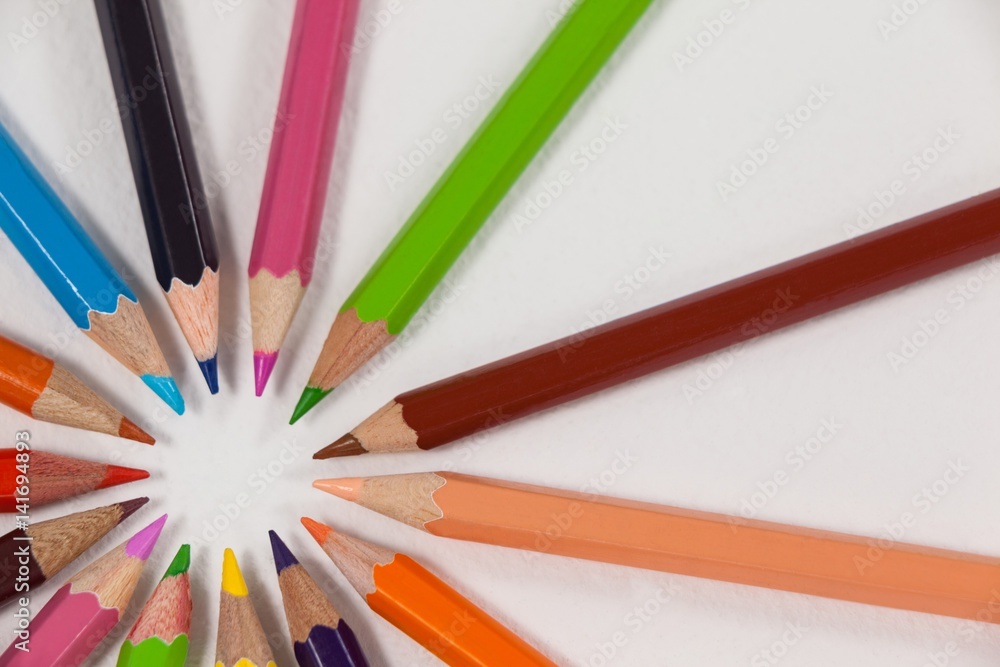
{"x": 169, "y": 185}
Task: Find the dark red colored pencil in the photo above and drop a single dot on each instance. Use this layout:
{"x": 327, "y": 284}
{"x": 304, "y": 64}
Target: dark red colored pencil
{"x": 681, "y": 330}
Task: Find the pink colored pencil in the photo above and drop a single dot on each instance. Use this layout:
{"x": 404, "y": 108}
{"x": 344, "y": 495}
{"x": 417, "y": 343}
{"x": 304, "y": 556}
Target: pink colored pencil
{"x": 82, "y": 613}
{"x": 298, "y": 171}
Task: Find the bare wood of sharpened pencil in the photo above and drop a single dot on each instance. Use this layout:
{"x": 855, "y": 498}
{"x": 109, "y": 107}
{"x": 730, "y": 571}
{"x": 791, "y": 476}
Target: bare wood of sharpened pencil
{"x": 56, "y": 543}
{"x": 241, "y": 635}
{"x": 273, "y": 304}
{"x": 305, "y": 604}
{"x": 112, "y": 578}
{"x": 386, "y": 431}
{"x": 126, "y": 335}
{"x": 357, "y": 560}
{"x": 197, "y": 312}
{"x": 349, "y": 346}
{"x": 67, "y": 401}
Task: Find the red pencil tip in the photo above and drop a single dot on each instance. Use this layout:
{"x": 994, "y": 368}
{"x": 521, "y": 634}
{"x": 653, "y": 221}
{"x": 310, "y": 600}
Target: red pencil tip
{"x": 128, "y": 429}
{"x": 118, "y": 475}
{"x": 318, "y": 530}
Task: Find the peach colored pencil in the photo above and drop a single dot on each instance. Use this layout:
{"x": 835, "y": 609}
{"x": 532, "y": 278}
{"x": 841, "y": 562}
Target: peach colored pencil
{"x": 688, "y": 542}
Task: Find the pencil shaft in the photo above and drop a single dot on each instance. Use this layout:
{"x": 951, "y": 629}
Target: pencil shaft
{"x": 171, "y": 196}
{"x": 484, "y": 171}
{"x": 444, "y": 622}
{"x": 703, "y": 322}
{"x": 713, "y": 546}
{"x": 36, "y": 478}
{"x": 298, "y": 168}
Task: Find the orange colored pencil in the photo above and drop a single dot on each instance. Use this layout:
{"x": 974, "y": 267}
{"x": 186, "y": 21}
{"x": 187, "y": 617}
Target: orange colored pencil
{"x": 39, "y": 387}
{"x": 427, "y": 609}
{"x": 681, "y": 541}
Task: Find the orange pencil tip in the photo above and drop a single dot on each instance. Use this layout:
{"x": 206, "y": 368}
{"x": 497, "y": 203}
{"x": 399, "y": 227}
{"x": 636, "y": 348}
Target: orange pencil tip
{"x": 318, "y": 530}
{"x": 118, "y": 475}
{"x": 348, "y": 488}
{"x": 127, "y": 429}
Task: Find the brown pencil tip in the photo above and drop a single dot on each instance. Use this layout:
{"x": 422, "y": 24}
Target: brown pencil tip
{"x": 348, "y": 488}
{"x": 129, "y": 507}
{"x": 348, "y": 445}
{"x": 128, "y": 429}
{"x": 319, "y": 531}
{"x": 118, "y": 475}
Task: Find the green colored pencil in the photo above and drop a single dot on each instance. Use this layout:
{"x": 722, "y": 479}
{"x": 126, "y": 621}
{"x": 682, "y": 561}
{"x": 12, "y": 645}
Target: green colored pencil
{"x": 159, "y": 637}
{"x": 471, "y": 188}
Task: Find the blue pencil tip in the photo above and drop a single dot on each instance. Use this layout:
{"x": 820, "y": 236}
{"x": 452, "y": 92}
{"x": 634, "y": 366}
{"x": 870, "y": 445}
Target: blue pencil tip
{"x": 210, "y": 369}
{"x": 166, "y": 388}
{"x": 283, "y": 558}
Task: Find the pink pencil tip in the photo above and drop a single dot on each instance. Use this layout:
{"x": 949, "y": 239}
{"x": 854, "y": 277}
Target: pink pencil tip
{"x": 263, "y": 364}
{"x": 141, "y": 545}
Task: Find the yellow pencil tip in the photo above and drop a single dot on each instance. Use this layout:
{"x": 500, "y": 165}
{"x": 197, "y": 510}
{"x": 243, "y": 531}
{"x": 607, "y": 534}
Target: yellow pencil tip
{"x": 232, "y": 578}
{"x": 348, "y": 488}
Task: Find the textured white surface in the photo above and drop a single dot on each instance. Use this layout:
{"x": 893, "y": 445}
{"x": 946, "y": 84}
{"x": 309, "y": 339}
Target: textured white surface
{"x": 654, "y": 187}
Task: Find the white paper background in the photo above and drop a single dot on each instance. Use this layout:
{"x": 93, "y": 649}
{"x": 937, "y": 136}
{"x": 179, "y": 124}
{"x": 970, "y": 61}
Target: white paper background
{"x": 654, "y": 187}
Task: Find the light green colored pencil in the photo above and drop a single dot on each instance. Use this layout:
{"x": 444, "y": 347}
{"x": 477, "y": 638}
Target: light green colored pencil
{"x": 471, "y": 188}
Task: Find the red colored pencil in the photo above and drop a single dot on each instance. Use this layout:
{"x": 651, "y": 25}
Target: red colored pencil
{"x": 680, "y": 330}
{"x": 37, "y": 478}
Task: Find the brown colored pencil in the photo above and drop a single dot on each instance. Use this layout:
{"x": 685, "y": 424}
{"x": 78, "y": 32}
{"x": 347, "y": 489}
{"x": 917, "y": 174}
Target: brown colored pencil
{"x": 31, "y": 556}
{"x": 38, "y": 478}
{"x": 680, "y": 330}
{"x": 241, "y": 641}
{"x": 681, "y": 541}
{"x": 39, "y": 387}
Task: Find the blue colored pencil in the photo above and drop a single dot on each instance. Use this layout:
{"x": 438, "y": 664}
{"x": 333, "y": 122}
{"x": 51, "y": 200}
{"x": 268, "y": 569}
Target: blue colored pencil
{"x": 321, "y": 637}
{"x": 77, "y": 273}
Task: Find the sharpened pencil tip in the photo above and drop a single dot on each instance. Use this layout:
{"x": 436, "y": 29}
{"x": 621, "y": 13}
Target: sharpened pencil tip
{"x": 283, "y": 557}
{"x": 319, "y": 531}
{"x": 348, "y": 488}
{"x": 210, "y": 369}
{"x": 128, "y": 429}
{"x": 310, "y": 397}
{"x": 130, "y": 507}
{"x": 116, "y": 475}
{"x": 167, "y": 389}
{"x": 181, "y": 562}
{"x": 141, "y": 546}
{"x": 347, "y": 445}
{"x": 232, "y": 579}
{"x": 263, "y": 365}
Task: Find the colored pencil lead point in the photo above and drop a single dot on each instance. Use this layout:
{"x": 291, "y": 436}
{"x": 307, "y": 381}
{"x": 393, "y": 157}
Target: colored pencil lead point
{"x": 181, "y": 562}
{"x": 167, "y": 389}
{"x": 232, "y": 579}
{"x": 210, "y": 369}
{"x": 263, "y": 365}
{"x": 348, "y": 488}
{"x": 318, "y": 530}
{"x": 128, "y": 429}
{"x": 310, "y": 397}
{"x": 142, "y": 544}
{"x": 347, "y": 445}
{"x": 130, "y": 507}
{"x": 283, "y": 558}
{"x": 120, "y": 475}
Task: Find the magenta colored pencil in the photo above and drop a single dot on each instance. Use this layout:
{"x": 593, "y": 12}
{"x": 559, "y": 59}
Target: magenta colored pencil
{"x": 298, "y": 171}
{"x": 82, "y": 613}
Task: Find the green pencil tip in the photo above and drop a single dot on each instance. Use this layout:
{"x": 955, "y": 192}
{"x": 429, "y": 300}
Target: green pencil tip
{"x": 310, "y": 397}
{"x": 180, "y": 563}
